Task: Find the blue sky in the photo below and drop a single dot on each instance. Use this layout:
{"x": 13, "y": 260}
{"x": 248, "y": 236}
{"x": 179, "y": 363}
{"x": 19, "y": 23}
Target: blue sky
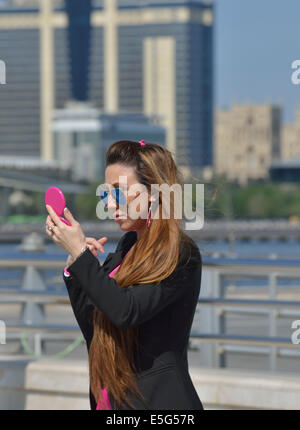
{"x": 255, "y": 43}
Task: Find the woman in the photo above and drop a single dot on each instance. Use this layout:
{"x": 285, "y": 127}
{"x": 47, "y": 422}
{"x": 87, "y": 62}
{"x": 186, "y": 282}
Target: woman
{"x": 136, "y": 319}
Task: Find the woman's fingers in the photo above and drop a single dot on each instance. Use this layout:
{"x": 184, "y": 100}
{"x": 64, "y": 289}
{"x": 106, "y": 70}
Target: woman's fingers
{"x": 98, "y": 245}
{"x": 48, "y": 232}
{"x": 91, "y": 246}
{"x": 102, "y": 241}
{"x": 54, "y": 217}
{"x": 93, "y": 250}
{"x": 92, "y": 241}
{"x": 49, "y": 222}
{"x": 95, "y": 245}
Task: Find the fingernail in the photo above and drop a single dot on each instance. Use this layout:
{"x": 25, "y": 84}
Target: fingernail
{"x": 66, "y": 209}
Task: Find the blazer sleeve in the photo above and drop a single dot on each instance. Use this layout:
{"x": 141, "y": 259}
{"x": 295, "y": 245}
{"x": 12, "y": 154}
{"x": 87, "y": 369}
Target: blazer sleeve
{"x": 131, "y": 306}
{"x": 81, "y": 304}
{"x": 82, "y": 307}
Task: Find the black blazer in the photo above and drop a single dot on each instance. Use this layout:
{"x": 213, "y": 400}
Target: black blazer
{"x": 163, "y": 311}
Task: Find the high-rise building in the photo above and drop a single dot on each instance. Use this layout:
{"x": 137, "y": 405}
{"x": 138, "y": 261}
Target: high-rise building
{"x": 247, "y": 140}
{"x": 82, "y": 134}
{"x": 290, "y": 145}
{"x": 152, "y": 57}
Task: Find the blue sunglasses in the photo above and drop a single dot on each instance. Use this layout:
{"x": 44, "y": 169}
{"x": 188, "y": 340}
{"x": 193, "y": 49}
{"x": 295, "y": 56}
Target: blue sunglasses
{"x": 117, "y": 195}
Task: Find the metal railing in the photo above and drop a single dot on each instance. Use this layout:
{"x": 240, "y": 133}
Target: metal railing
{"x": 33, "y": 294}
{"x": 213, "y": 308}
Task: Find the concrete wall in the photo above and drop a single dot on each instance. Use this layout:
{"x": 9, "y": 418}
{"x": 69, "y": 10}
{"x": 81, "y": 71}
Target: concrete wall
{"x": 57, "y": 384}
{"x": 50, "y": 384}
{"x": 12, "y": 382}
{"x": 252, "y": 389}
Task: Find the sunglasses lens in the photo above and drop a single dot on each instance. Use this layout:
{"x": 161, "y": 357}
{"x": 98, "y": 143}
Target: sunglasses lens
{"x": 103, "y": 195}
{"x": 103, "y": 198}
{"x": 119, "y": 196}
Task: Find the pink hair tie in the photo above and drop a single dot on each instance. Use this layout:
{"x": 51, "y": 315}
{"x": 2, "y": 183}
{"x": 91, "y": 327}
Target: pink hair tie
{"x": 142, "y": 142}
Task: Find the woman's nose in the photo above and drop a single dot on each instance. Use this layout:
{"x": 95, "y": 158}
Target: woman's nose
{"x": 111, "y": 203}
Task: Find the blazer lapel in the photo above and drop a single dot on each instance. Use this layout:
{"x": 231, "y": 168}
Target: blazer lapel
{"x": 113, "y": 259}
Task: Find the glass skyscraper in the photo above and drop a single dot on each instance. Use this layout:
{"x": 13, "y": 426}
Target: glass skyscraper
{"x": 148, "y": 56}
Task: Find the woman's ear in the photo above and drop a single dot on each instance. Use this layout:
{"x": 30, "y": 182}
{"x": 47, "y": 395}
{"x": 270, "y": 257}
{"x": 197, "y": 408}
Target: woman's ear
{"x": 151, "y": 200}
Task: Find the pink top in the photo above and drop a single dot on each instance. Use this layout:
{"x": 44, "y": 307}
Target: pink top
{"x": 101, "y": 405}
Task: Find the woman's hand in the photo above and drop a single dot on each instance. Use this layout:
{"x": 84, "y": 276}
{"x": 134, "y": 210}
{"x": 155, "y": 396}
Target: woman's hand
{"x": 70, "y": 238}
{"x": 95, "y": 245}
{"x": 69, "y": 261}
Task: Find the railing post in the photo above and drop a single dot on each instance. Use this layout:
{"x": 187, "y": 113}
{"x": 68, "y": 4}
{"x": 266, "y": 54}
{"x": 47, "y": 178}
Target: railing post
{"x": 272, "y": 278}
{"x": 207, "y": 317}
{"x": 37, "y": 344}
{"x": 32, "y": 313}
{"x": 221, "y": 322}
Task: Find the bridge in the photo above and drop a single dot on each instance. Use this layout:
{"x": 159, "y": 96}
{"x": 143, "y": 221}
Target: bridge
{"x": 34, "y": 174}
{"x": 261, "y": 230}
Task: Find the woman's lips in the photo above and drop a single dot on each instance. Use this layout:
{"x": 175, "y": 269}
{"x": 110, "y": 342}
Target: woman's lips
{"x": 117, "y": 217}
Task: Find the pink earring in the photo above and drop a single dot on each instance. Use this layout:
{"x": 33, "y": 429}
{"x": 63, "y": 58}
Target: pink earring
{"x": 149, "y": 217}
{"x": 142, "y": 142}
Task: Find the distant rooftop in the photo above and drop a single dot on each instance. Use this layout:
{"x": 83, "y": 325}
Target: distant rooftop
{"x": 28, "y": 162}
{"x": 291, "y": 163}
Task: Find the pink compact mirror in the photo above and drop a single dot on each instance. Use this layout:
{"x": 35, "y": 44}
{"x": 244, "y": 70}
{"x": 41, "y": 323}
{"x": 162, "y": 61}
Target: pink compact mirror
{"x": 55, "y": 198}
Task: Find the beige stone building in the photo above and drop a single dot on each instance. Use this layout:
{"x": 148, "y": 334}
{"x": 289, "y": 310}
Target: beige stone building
{"x": 246, "y": 141}
{"x": 290, "y": 145}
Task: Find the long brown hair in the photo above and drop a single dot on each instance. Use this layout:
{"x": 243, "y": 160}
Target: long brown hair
{"x": 111, "y": 352}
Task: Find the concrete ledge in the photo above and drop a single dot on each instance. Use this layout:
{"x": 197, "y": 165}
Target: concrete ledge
{"x": 252, "y": 389}
{"x": 57, "y": 384}
{"x": 50, "y": 384}
{"x": 12, "y": 375}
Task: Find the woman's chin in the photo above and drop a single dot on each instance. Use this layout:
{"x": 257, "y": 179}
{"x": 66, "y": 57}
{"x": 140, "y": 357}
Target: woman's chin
{"x": 125, "y": 229}
{"x": 125, "y": 225}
